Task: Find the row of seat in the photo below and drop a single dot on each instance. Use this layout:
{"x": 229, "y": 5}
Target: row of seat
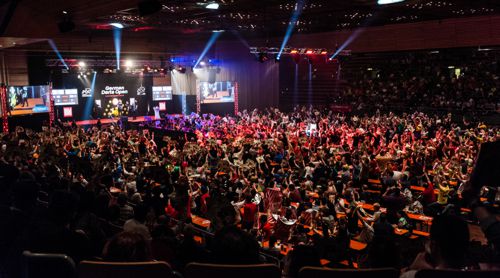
{"x": 61, "y": 266}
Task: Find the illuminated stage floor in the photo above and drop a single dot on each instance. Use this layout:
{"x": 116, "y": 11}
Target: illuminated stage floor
{"x": 138, "y": 119}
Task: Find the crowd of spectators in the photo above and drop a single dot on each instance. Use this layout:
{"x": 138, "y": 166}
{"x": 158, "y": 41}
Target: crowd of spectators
{"x": 265, "y": 180}
{"x": 426, "y": 81}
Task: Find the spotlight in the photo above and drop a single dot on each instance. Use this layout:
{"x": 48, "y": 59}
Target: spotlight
{"x": 81, "y": 64}
{"x": 203, "y": 63}
{"x": 324, "y": 52}
{"x": 129, "y": 63}
{"x": 117, "y": 25}
{"x": 212, "y": 6}
{"x": 387, "y": 2}
{"x": 277, "y": 58}
{"x": 309, "y": 51}
{"x": 294, "y": 51}
{"x": 218, "y": 31}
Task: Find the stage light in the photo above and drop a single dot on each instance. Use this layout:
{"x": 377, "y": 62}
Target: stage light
{"x": 129, "y": 63}
{"x": 324, "y": 52}
{"x": 212, "y": 6}
{"x": 209, "y": 44}
{"x": 309, "y": 52}
{"x": 299, "y": 6}
{"x": 115, "y": 101}
{"x": 54, "y": 47}
{"x": 387, "y": 2}
{"x": 295, "y": 51}
{"x": 81, "y": 64}
{"x": 65, "y": 12}
{"x": 117, "y": 25}
{"x": 218, "y": 31}
{"x": 203, "y": 63}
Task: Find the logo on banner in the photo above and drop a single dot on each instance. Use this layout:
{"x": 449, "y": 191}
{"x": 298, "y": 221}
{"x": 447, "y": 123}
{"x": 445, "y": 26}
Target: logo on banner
{"x": 86, "y": 92}
{"x": 141, "y": 91}
{"x": 114, "y": 90}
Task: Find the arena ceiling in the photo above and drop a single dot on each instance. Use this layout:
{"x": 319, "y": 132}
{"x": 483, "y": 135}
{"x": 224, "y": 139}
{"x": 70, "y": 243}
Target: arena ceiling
{"x": 189, "y": 19}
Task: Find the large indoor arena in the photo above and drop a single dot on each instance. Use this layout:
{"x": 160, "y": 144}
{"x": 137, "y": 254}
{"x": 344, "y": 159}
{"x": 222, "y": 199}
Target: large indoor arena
{"x": 249, "y": 138}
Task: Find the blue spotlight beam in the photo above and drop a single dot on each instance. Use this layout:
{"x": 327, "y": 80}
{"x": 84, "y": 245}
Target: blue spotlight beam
{"x": 299, "y": 6}
{"x": 90, "y": 101}
{"x": 117, "y": 35}
{"x": 354, "y": 36}
{"x": 349, "y": 40}
{"x": 210, "y": 42}
{"x": 54, "y": 47}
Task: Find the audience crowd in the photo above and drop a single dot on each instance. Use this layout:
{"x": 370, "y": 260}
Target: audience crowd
{"x": 309, "y": 187}
{"x": 426, "y": 81}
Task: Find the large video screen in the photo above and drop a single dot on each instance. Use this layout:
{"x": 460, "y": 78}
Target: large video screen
{"x": 218, "y": 92}
{"x": 24, "y": 100}
{"x": 64, "y": 97}
{"x": 162, "y": 93}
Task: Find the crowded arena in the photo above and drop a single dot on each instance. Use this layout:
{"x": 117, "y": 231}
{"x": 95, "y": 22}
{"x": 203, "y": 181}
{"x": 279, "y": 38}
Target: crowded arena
{"x": 305, "y": 138}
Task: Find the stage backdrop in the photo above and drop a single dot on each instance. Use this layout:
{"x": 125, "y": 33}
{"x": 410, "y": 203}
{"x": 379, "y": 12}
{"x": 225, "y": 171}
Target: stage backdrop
{"x": 110, "y": 91}
{"x": 258, "y": 83}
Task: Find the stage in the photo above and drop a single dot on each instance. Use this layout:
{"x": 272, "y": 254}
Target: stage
{"x": 138, "y": 119}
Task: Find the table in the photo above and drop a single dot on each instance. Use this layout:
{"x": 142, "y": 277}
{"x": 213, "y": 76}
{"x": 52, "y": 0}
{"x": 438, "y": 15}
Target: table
{"x": 200, "y": 221}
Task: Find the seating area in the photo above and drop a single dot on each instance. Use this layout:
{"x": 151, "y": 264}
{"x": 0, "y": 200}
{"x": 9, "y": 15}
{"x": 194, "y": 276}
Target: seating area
{"x": 249, "y": 139}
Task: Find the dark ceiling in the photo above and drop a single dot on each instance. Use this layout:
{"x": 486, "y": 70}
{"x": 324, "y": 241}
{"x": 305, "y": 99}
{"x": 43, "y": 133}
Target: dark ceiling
{"x": 263, "y": 18}
{"x": 188, "y": 19}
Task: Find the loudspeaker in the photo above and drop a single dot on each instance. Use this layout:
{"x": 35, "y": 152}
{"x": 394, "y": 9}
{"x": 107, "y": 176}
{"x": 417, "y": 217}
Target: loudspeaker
{"x": 148, "y": 7}
{"x": 66, "y": 26}
{"x": 211, "y": 75}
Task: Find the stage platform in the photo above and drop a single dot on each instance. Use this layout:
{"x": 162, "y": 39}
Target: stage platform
{"x": 138, "y": 119}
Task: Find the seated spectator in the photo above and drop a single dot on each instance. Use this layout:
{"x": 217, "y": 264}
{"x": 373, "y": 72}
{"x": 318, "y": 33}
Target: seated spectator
{"x": 127, "y": 247}
{"x": 234, "y": 246}
{"x": 136, "y": 224}
{"x": 449, "y": 240}
{"x": 301, "y": 256}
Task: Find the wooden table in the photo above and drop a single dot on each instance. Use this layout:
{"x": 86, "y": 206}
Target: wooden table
{"x": 201, "y": 222}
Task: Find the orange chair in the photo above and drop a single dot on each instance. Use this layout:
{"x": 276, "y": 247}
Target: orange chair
{"x": 196, "y": 270}
{"x": 91, "y": 269}
{"x": 431, "y": 273}
{"x": 319, "y": 272}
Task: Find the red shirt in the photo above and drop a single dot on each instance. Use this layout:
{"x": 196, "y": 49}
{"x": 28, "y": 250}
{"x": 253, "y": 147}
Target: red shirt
{"x": 428, "y": 196}
{"x": 203, "y": 202}
{"x": 267, "y": 231}
{"x": 249, "y": 212}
